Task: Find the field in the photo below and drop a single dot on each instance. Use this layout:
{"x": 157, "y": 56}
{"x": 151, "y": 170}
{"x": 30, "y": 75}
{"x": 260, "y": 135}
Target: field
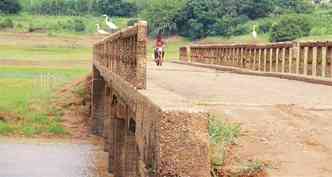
{"x": 33, "y": 67}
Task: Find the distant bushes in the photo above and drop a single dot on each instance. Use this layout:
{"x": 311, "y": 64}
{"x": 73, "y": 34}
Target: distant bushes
{"x": 9, "y": 6}
{"x": 116, "y": 8}
{"x": 74, "y": 25}
{"x": 290, "y": 28}
{"x": 62, "y": 7}
{"x": 131, "y": 22}
{"x": 6, "y": 23}
{"x": 82, "y": 7}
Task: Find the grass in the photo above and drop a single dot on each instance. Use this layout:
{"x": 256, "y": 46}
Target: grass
{"x": 251, "y": 168}
{"x": 221, "y": 135}
{"x": 5, "y": 128}
{"x": 25, "y": 94}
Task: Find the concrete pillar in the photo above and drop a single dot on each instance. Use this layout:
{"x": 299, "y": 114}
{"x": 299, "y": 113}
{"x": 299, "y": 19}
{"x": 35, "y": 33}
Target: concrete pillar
{"x": 259, "y": 59}
{"x": 330, "y": 63}
{"x": 97, "y": 113}
{"x": 265, "y": 59}
{"x": 305, "y": 66}
{"x": 242, "y": 57}
{"x": 298, "y": 57}
{"x": 271, "y": 59}
{"x": 254, "y": 59}
{"x": 314, "y": 61}
{"x": 324, "y": 59}
{"x": 290, "y": 60}
{"x": 277, "y": 59}
{"x": 283, "y": 58}
{"x": 141, "y": 54}
{"x": 249, "y": 57}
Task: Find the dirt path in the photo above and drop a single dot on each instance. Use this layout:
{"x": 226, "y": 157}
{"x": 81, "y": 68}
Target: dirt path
{"x": 284, "y": 123}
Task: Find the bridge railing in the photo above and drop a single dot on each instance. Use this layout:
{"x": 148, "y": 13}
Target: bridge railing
{"x": 123, "y": 54}
{"x": 306, "y": 58}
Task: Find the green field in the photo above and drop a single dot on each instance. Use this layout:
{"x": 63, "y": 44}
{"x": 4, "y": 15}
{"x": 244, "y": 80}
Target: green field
{"x": 27, "y": 92}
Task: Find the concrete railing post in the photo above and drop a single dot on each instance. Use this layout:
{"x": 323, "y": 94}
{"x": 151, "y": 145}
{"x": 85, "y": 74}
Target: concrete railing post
{"x": 141, "y": 52}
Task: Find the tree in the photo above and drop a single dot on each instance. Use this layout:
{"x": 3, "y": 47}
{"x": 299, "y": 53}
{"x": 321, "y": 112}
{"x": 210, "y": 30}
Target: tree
{"x": 255, "y": 8}
{"x": 162, "y": 14}
{"x": 298, "y": 6}
{"x": 198, "y": 18}
{"x": 290, "y": 28}
{"x": 116, "y": 7}
{"x": 10, "y": 6}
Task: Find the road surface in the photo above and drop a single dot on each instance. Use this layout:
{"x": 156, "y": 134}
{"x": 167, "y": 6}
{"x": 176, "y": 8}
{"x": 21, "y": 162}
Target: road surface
{"x": 284, "y": 122}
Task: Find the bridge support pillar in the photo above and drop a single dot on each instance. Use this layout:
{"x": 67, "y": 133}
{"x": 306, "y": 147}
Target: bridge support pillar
{"x": 98, "y": 98}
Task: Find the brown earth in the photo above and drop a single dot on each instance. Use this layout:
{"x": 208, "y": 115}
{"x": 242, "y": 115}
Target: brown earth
{"x": 42, "y": 39}
{"x": 75, "y": 100}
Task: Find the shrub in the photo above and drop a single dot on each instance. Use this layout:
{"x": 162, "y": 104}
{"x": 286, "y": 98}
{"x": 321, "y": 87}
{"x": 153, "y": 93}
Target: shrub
{"x": 78, "y": 25}
{"x": 116, "y": 7}
{"x": 6, "y": 23}
{"x": 10, "y": 6}
{"x": 290, "y": 28}
{"x": 132, "y": 21}
{"x": 265, "y": 26}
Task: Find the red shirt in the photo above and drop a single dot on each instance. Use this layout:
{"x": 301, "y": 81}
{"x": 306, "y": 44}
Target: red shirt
{"x": 160, "y": 43}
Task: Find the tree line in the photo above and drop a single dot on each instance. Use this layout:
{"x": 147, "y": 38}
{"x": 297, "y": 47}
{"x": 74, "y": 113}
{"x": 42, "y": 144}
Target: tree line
{"x": 194, "y": 19}
{"x": 70, "y": 7}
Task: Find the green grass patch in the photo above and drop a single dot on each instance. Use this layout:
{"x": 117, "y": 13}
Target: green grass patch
{"x": 25, "y": 94}
{"x": 221, "y": 135}
{"x": 5, "y": 128}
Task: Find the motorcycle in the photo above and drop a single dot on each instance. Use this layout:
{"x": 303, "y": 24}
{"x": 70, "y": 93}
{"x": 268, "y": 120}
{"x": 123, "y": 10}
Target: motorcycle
{"x": 159, "y": 56}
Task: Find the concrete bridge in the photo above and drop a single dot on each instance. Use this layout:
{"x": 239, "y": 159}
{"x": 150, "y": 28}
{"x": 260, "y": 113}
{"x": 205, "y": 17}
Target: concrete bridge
{"x": 154, "y": 119}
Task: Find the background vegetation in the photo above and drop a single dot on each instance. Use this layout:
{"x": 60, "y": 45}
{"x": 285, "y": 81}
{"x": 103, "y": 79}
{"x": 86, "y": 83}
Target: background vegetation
{"x": 204, "y": 18}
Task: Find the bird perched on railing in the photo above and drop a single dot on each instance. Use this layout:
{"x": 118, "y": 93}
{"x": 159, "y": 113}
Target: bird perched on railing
{"x": 101, "y": 31}
{"x": 110, "y": 24}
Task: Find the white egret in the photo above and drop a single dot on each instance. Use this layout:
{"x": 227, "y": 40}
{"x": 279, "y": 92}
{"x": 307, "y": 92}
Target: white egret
{"x": 109, "y": 23}
{"x": 101, "y": 31}
{"x": 254, "y": 33}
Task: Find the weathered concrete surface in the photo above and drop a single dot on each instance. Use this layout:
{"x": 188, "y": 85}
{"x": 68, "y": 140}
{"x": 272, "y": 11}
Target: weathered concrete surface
{"x": 284, "y": 123}
{"x": 49, "y": 158}
{"x": 210, "y": 86}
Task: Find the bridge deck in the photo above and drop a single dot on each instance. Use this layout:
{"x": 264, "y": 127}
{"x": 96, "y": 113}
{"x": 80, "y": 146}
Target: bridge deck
{"x": 284, "y": 122}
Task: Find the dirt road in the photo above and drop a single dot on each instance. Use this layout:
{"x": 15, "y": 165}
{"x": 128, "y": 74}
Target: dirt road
{"x": 284, "y": 123}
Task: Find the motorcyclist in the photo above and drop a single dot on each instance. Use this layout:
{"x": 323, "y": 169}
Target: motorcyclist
{"x": 159, "y": 45}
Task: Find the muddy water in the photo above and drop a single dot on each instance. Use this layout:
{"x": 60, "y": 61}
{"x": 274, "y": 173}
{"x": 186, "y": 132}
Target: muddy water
{"x": 49, "y": 159}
